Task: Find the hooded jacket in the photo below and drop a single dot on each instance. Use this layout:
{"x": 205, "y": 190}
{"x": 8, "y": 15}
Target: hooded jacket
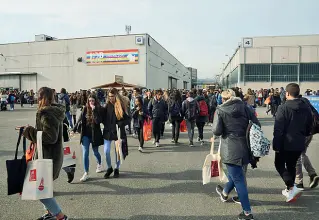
{"x": 185, "y": 107}
{"x": 49, "y": 120}
{"x": 293, "y": 124}
{"x": 230, "y": 122}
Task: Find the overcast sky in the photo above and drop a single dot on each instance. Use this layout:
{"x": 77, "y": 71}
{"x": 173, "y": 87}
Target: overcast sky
{"x": 198, "y": 33}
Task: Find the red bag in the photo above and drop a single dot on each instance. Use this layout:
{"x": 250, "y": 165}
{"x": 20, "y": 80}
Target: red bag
{"x": 214, "y": 169}
{"x": 147, "y": 130}
{"x": 183, "y": 127}
{"x": 203, "y": 108}
{"x": 30, "y": 152}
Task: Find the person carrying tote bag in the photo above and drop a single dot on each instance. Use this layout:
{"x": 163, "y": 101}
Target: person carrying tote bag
{"x": 49, "y": 120}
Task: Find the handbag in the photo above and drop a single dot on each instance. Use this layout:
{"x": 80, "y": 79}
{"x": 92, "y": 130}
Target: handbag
{"x": 16, "y": 169}
{"x": 30, "y": 152}
{"x": 69, "y": 154}
{"x": 38, "y": 181}
{"x": 212, "y": 168}
{"x": 147, "y": 130}
{"x": 183, "y": 126}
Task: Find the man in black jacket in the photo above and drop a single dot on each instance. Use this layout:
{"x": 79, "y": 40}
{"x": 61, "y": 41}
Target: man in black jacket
{"x": 292, "y": 125}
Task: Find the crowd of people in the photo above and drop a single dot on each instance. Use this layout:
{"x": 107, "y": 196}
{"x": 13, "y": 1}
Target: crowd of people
{"x": 106, "y": 117}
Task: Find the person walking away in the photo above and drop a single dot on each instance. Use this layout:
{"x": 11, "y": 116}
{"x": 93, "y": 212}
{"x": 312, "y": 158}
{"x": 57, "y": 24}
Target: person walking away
{"x": 230, "y": 123}
{"x": 11, "y": 100}
{"x": 202, "y": 117}
{"x": 65, "y": 100}
{"x": 114, "y": 113}
{"x": 157, "y": 109}
{"x": 21, "y": 97}
{"x": 293, "y": 124}
{"x": 74, "y": 107}
{"x": 175, "y": 115}
{"x": 49, "y": 120}
{"x": 304, "y": 159}
{"x": 212, "y": 107}
{"x": 190, "y": 110}
{"x": 139, "y": 115}
{"x": 166, "y": 99}
{"x": 275, "y": 102}
{"x": 282, "y": 95}
{"x": 249, "y": 98}
{"x": 31, "y": 98}
{"x": 91, "y": 134}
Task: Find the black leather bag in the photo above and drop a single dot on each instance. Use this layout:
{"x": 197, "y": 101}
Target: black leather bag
{"x": 16, "y": 168}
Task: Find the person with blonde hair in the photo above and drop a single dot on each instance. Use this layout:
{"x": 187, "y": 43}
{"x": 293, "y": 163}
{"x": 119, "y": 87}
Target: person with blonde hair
{"x": 250, "y": 98}
{"x": 230, "y": 123}
{"x": 115, "y": 114}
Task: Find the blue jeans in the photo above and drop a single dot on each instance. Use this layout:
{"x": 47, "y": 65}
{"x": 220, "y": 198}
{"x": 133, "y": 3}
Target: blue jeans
{"x": 69, "y": 117}
{"x": 86, "y": 141}
{"x": 51, "y": 205}
{"x": 236, "y": 178}
{"x": 107, "y": 152}
{"x": 11, "y": 105}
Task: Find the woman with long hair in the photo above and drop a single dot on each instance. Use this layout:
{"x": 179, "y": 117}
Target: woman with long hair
{"x": 175, "y": 114}
{"x": 91, "y": 134}
{"x": 114, "y": 114}
{"x": 49, "y": 120}
{"x": 139, "y": 115}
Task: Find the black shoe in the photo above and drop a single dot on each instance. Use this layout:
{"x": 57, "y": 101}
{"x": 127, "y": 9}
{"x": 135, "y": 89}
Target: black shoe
{"x": 191, "y": 144}
{"x": 70, "y": 176}
{"x": 300, "y": 186}
{"x": 314, "y": 181}
{"x": 116, "y": 173}
{"x": 176, "y": 142}
{"x": 108, "y": 173}
{"x": 236, "y": 200}
{"x": 219, "y": 191}
{"x": 47, "y": 216}
{"x": 243, "y": 216}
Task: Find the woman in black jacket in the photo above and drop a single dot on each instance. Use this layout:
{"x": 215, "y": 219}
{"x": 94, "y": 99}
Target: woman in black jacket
{"x": 139, "y": 115}
{"x": 89, "y": 123}
{"x": 175, "y": 114}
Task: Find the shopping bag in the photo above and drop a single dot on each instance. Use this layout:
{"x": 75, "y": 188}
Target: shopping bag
{"x": 212, "y": 168}
{"x": 38, "y": 181}
{"x": 69, "y": 155}
{"x": 183, "y": 127}
{"x": 118, "y": 147}
{"x": 147, "y": 130}
{"x": 267, "y": 101}
{"x": 30, "y": 152}
{"x": 16, "y": 169}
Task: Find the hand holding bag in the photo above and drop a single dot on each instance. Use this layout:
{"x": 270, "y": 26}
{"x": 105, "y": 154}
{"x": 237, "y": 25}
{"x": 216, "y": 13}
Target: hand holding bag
{"x": 38, "y": 182}
{"x": 183, "y": 126}
{"x": 147, "y": 130}
{"x": 16, "y": 169}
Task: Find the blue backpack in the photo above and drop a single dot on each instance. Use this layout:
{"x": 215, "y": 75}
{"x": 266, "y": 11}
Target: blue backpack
{"x": 12, "y": 98}
{"x": 175, "y": 110}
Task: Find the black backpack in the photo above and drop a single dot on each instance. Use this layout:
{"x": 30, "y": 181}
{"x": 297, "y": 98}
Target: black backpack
{"x": 315, "y": 116}
{"x": 191, "y": 110}
{"x": 175, "y": 110}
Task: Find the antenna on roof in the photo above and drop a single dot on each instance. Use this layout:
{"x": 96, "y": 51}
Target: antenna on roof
{"x": 128, "y": 29}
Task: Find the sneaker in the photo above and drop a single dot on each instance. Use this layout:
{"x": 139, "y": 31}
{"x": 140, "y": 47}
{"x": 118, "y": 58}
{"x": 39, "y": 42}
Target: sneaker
{"x": 293, "y": 194}
{"x": 64, "y": 218}
{"x": 99, "y": 168}
{"x": 236, "y": 200}
{"x": 243, "y": 216}
{"x": 116, "y": 173}
{"x": 219, "y": 191}
{"x": 108, "y": 173}
{"x": 85, "y": 177}
{"x": 154, "y": 142}
{"x": 300, "y": 186}
{"x": 285, "y": 192}
{"x": 314, "y": 181}
{"x": 202, "y": 143}
{"x": 140, "y": 149}
{"x": 47, "y": 216}
{"x": 70, "y": 176}
{"x": 191, "y": 144}
{"x": 198, "y": 139}
{"x": 157, "y": 144}
{"x": 172, "y": 141}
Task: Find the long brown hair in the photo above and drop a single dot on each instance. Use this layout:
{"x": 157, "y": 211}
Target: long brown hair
{"x": 46, "y": 97}
{"x": 89, "y": 113}
{"x": 119, "y": 105}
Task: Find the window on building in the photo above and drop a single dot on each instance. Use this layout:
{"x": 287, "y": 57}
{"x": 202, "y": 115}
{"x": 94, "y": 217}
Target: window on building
{"x": 172, "y": 83}
{"x": 234, "y": 77}
{"x": 309, "y": 72}
{"x": 184, "y": 85}
{"x": 284, "y": 73}
{"x": 257, "y": 73}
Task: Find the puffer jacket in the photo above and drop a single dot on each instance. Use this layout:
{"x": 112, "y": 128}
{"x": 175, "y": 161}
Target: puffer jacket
{"x": 49, "y": 120}
{"x": 231, "y": 122}
{"x": 158, "y": 109}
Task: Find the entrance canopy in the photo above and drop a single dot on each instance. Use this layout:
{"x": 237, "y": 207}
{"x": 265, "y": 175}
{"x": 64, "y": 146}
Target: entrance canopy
{"x": 117, "y": 85}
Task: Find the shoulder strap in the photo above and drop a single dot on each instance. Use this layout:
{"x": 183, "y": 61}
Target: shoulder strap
{"x": 18, "y": 143}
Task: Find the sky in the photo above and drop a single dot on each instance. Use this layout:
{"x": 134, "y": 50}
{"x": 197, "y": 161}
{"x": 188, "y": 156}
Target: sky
{"x": 198, "y": 33}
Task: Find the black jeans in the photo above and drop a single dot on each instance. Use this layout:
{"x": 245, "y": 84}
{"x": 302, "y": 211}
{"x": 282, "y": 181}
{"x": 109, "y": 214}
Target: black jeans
{"x": 74, "y": 119}
{"x": 140, "y": 136}
{"x": 157, "y": 126}
{"x": 200, "y": 126}
{"x": 285, "y": 163}
{"x": 176, "y": 124}
{"x": 162, "y": 129}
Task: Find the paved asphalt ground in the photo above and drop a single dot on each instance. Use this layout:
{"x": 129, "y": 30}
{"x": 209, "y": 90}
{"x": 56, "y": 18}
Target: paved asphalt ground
{"x": 162, "y": 183}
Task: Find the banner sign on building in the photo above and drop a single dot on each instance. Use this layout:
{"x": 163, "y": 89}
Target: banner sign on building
{"x": 109, "y": 57}
{"x": 314, "y": 100}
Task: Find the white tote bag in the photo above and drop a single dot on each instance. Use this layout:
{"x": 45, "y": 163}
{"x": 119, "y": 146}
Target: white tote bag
{"x": 207, "y": 173}
{"x": 118, "y": 147}
{"x": 38, "y": 182}
{"x": 69, "y": 153}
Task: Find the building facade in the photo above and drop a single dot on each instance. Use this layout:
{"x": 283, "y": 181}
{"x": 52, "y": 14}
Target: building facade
{"x": 273, "y": 62}
{"x": 83, "y": 63}
{"x": 193, "y": 72}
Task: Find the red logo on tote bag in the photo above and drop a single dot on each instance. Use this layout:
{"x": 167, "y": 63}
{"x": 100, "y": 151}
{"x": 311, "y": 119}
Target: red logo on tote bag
{"x": 67, "y": 151}
{"x": 73, "y": 157}
{"x": 41, "y": 187}
{"x": 33, "y": 175}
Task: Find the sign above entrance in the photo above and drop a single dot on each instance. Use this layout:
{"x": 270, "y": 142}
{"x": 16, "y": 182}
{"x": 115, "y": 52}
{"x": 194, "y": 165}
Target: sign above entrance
{"x": 111, "y": 57}
{"x": 119, "y": 79}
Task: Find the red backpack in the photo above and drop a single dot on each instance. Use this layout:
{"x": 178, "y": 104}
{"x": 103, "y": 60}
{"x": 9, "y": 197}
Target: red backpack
{"x": 203, "y": 108}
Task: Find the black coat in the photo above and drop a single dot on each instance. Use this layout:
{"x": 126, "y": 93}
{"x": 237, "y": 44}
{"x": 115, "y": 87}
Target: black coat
{"x": 292, "y": 125}
{"x": 231, "y": 122}
{"x": 158, "y": 109}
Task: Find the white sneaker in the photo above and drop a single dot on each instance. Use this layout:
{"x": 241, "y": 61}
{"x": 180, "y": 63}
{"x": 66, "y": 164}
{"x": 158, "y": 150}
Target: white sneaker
{"x": 85, "y": 177}
{"x": 99, "y": 168}
{"x": 293, "y": 194}
{"x": 140, "y": 149}
{"x": 154, "y": 142}
{"x": 284, "y": 192}
{"x": 157, "y": 144}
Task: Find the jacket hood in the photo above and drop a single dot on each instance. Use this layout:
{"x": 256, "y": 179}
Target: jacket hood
{"x": 200, "y": 98}
{"x": 56, "y": 111}
{"x": 233, "y": 106}
{"x": 296, "y": 104}
{"x": 190, "y": 99}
